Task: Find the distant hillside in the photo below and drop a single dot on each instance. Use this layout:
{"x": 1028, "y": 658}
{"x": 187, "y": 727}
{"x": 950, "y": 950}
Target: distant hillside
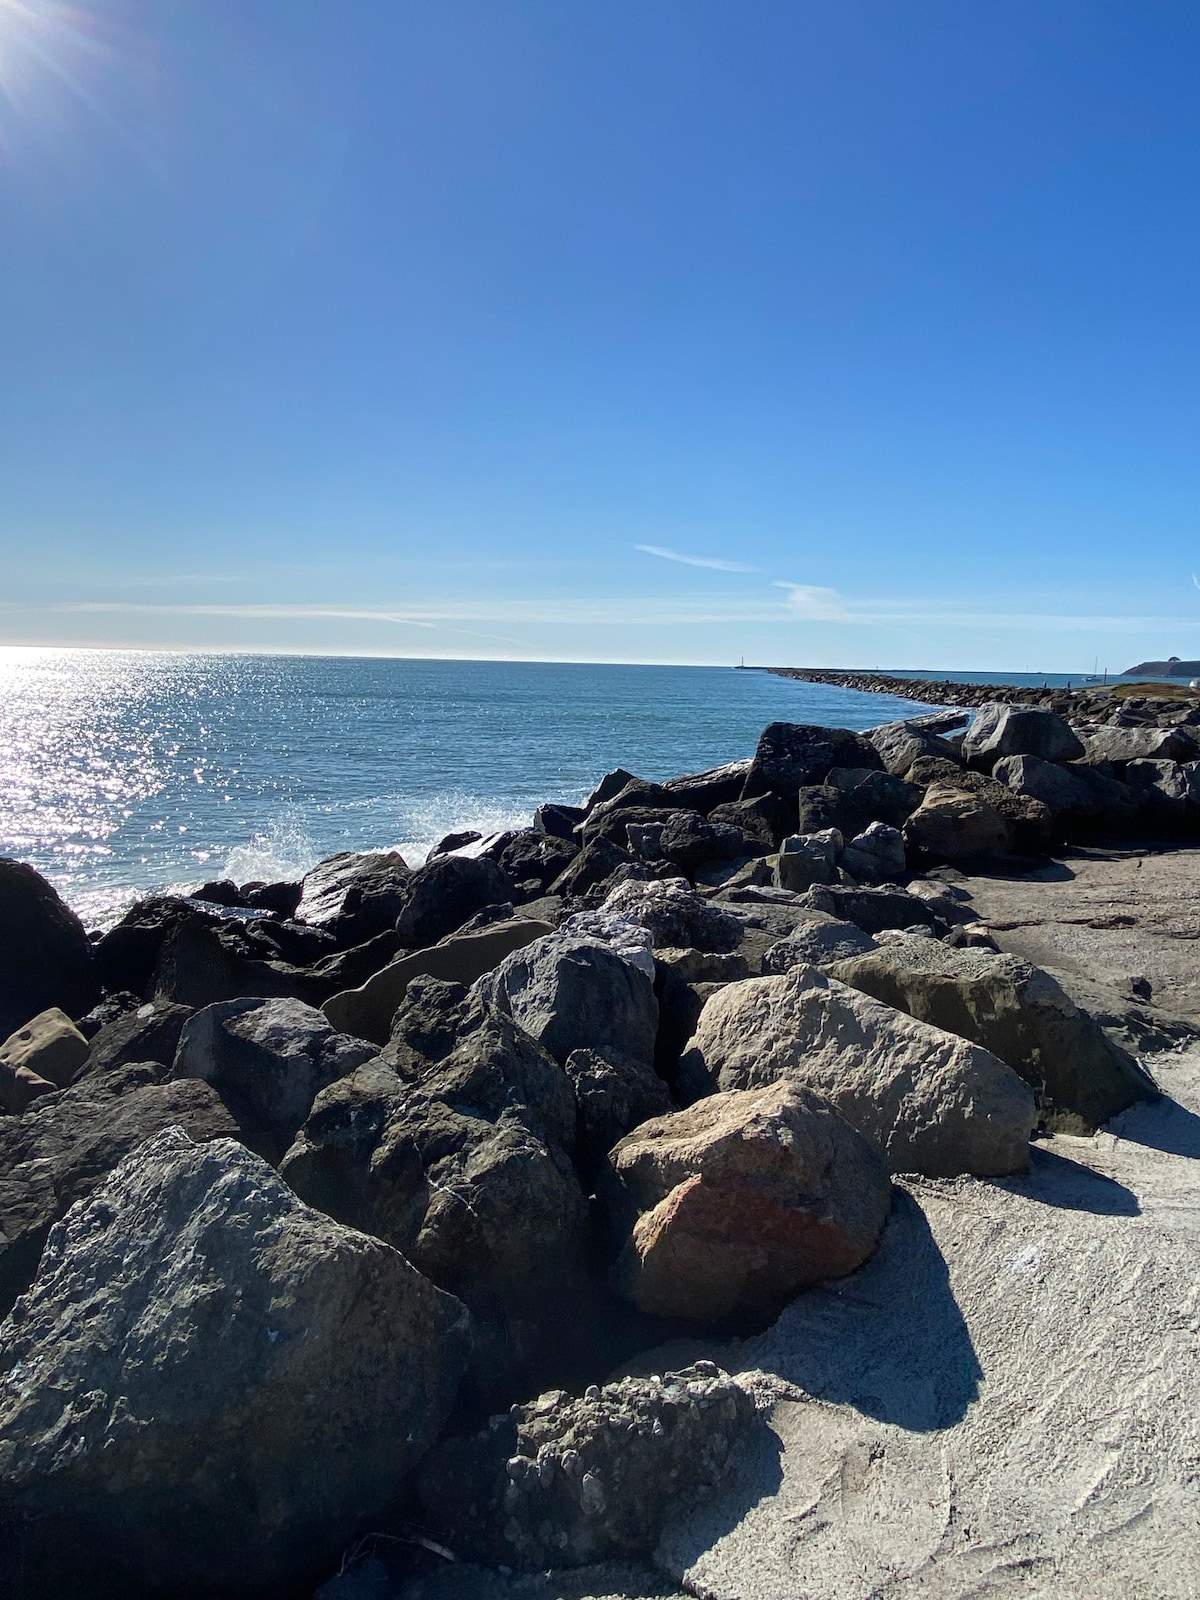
{"x": 1171, "y": 668}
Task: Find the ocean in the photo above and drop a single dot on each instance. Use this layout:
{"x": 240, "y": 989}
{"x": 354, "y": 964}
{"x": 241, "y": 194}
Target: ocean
{"x": 126, "y": 772}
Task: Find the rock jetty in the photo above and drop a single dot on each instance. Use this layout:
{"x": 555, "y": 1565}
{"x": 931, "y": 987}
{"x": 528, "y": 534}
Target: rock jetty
{"x": 385, "y": 1218}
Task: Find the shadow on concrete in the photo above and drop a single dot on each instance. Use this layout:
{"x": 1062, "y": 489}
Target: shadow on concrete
{"x": 1162, "y": 1125}
{"x": 1055, "y": 1180}
{"x": 889, "y": 1340}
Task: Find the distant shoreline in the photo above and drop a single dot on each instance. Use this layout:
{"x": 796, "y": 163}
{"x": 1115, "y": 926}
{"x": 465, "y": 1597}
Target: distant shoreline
{"x": 1070, "y": 701}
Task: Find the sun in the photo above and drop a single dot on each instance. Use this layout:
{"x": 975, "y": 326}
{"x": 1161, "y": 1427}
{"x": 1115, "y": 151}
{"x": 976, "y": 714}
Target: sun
{"x": 45, "y": 41}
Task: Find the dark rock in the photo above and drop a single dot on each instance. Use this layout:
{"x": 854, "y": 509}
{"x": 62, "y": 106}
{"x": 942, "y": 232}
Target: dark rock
{"x": 872, "y": 910}
{"x": 454, "y": 841}
{"x": 690, "y": 840}
{"x": 609, "y": 786}
{"x": 820, "y": 807}
{"x": 564, "y": 1482}
{"x": 128, "y": 953}
{"x": 769, "y": 818}
{"x": 201, "y": 964}
{"x": 65, "y": 1145}
{"x": 594, "y": 866}
{"x": 280, "y": 899}
{"x": 111, "y": 1008}
{"x": 355, "y": 896}
{"x": 349, "y": 969}
{"x": 441, "y": 896}
{"x": 202, "y": 1352}
{"x": 702, "y": 791}
{"x": 222, "y": 892}
{"x": 45, "y": 957}
{"x": 873, "y": 797}
{"x": 557, "y": 821}
{"x": 792, "y": 756}
{"x": 268, "y": 1059}
{"x": 614, "y": 1095}
{"x": 534, "y": 860}
{"x": 151, "y": 1033}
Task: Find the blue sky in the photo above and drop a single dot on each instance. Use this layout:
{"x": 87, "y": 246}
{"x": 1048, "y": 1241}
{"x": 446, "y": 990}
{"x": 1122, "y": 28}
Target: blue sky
{"x": 862, "y": 332}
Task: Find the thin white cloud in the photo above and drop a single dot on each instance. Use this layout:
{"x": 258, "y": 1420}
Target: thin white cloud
{"x": 664, "y": 554}
{"x": 814, "y": 603}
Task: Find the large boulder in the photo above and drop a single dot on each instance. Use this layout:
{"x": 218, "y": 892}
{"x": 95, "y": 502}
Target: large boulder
{"x": 66, "y": 1143}
{"x": 532, "y": 860}
{"x": 1032, "y": 823}
{"x": 566, "y": 1481}
{"x": 147, "y": 1033}
{"x": 791, "y": 755}
{"x": 49, "y": 1045}
{"x": 702, "y": 791}
{"x": 674, "y": 916}
{"x": 355, "y": 896}
{"x": 690, "y": 841}
{"x": 444, "y": 894}
{"x": 1074, "y": 794}
{"x": 1004, "y": 730}
{"x": 931, "y": 1102}
{"x": 210, "y": 1385}
{"x": 45, "y": 957}
{"x": 575, "y": 992}
{"x": 901, "y": 743}
{"x": 200, "y": 963}
{"x": 743, "y": 1200}
{"x": 367, "y": 1012}
{"x": 876, "y": 855}
{"x": 269, "y": 1059}
{"x": 1110, "y": 743}
{"x": 874, "y": 910}
{"x": 128, "y": 953}
{"x": 954, "y": 825}
{"x": 817, "y": 943}
{"x": 1016, "y": 1011}
{"x": 613, "y": 1095}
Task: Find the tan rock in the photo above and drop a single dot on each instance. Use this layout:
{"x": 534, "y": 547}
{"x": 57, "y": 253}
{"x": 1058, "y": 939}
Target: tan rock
{"x": 747, "y": 1198}
{"x": 954, "y": 825}
{"x": 42, "y": 1056}
{"x": 367, "y": 1012}
{"x": 931, "y": 1102}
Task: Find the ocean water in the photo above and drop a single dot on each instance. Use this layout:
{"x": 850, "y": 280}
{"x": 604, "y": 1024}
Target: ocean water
{"x": 127, "y": 772}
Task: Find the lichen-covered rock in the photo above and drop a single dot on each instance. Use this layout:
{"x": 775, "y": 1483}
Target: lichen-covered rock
{"x": 1016, "y": 1011}
{"x": 565, "y": 1481}
{"x": 209, "y": 1385}
{"x": 930, "y": 1101}
{"x": 816, "y": 944}
{"x": 743, "y": 1200}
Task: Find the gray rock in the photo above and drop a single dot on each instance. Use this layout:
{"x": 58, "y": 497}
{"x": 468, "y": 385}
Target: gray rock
{"x": 816, "y": 944}
{"x": 1163, "y": 787}
{"x": 201, "y": 1352}
{"x": 1004, "y": 730}
{"x": 901, "y": 743}
{"x": 444, "y": 893}
{"x": 929, "y": 1101}
{"x": 1074, "y": 794}
{"x": 1016, "y": 1011}
{"x": 702, "y": 791}
{"x": 68, "y": 1142}
{"x": 565, "y": 1482}
{"x": 805, "y": 859}
{"x": 577, "y": 993}
{"x": 355, "y": 896}
{"x": 871, "y": 909}
{"x": 1109, "y": 743}
{"x": 149, "y": 1033}
{"x": 597, "y": 863}
{"x": 691, "y": 840}
{"x": 876, "y": 855}
{"x": 269, "y": 1059}
{"x": 675, "y": 916}
{"x": 45, "y": 957}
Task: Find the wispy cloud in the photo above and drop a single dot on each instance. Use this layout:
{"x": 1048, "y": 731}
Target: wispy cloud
{"x": 814, "y": 603}
{"x": 711, "y": 562}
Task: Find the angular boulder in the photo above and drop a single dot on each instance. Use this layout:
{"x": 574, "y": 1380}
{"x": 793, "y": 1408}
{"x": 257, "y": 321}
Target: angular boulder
{"x": 928, "y": 1100}
{"x": 49, "y": 1045}
{"x": 1072, "y": 794}
{"x": 210, "y": 1385}
{"x": 45, "y": 957}
{"x": 816, "y": 944}
{"x": 901, "y": 743}
{"x": 565, "y": 1481}
{"x": 743, "y": 1200}
{"x": 269, "y": 1059}
{"x": 1004, "y": 730}
{"x": 367, "y": 1012}
{"x": 674, "y": 916}
{"x": 354, "y": 896}
{"x": 613, "y": 1095}
{"x": 690, "y": 840}
{"x": 443, "y": 894}
{"x": 791, "y": 755}
{"x": 876, "y": 855}
{"x": 68, "y": 1142}
{"x": 1016, "y": 1011}
{"x": 574, "y": 992}
{"x": 148, "y": 1033}
{"x": 954, "y": 825}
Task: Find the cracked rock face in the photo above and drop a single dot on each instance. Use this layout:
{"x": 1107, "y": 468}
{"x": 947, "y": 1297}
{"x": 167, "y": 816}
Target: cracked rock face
{"x": 565, "y": 1481}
